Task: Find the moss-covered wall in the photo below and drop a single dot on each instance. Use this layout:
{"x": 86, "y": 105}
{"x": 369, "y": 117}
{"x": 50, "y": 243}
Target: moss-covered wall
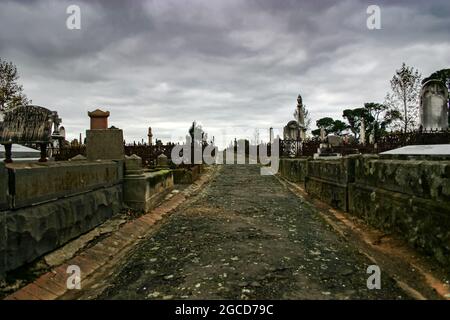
{"x": 144, "y": 191}
{"x": 410, "y": 197}
{"x": 294, "y": 170}
{"x": 328, "y": 180}
{"x": 187, "y": 175}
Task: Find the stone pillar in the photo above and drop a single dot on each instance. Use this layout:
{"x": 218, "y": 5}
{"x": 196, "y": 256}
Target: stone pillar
{"x": 433, "y": 105}
{"x": 99, "y": 119}
{"x": 8, "y": 152}
{"x": 302, "y": 134}
{"x": 300, "y": 112}
{"x": 362, "y": 133}
{"x": 322, "y": 134}
{"x": 372, "y": 138}
{"x": 43, "y": 147}
{"x": 103, "y": 143}
{"x": 150, "y": 136}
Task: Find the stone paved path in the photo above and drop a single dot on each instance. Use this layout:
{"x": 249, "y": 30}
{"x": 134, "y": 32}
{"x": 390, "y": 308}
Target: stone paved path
{"x": 245, "y": 236}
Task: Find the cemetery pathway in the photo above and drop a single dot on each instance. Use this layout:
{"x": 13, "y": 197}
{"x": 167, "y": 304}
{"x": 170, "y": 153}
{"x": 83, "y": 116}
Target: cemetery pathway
{"x": 245, "y": 236}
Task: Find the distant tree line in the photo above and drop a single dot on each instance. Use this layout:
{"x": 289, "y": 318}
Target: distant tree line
{"x": 399, "y": 111}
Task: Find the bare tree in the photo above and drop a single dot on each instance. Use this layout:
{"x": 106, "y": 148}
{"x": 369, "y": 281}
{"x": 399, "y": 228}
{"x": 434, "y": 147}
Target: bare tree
{"x": 306, "y": 116}
{"x": 405, "y": 97}
{"x": 11, "y": 93}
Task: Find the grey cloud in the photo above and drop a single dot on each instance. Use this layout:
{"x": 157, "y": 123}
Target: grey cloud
{"x": 229, "y": 64}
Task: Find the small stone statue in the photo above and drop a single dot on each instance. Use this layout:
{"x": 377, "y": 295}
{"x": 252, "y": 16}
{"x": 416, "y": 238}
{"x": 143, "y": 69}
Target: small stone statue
{"x": 322, "y": 134}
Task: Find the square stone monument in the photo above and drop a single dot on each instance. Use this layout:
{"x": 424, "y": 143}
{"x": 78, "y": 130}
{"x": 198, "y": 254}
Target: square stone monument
{"x": 103, "y": 143}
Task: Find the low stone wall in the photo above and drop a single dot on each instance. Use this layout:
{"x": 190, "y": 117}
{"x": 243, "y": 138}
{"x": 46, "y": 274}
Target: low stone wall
{"x": 429, "y": 179}
{"x": 294, "y": 170}
{"x": 33, "y": 231}
{"x": 328, "y": 180}
{"x": 45, "y": 205}
{"x": 144, "y": 191}
{"x": 38, "y": 182}
{"x": 186, "y": 175}
{"x": 410, "y": 197}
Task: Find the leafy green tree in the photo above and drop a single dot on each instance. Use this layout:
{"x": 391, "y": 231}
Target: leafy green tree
{"x": 377, "y": 117}
{"x": 338, "y": 127}
{"x": 11, "y": 93}
{"x": 326, "y": 123}
{"x": 354, "y": 118}
{"x": 405, "y": 97}
{"x": 330, "y": 125}
{"x": 443, "y": 75}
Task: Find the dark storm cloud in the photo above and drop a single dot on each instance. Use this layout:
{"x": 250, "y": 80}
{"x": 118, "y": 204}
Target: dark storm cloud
{"x": 235, "y": 65}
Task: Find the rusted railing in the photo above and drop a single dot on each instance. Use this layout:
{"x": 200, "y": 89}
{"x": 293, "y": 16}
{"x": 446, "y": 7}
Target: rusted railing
{"x": 149, "y": 153}
{"x": 297, "y": 148}
{"x": 67, "y": 152}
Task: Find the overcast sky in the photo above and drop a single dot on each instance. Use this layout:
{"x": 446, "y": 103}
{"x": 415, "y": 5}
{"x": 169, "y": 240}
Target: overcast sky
{"x": 231, "y": 65}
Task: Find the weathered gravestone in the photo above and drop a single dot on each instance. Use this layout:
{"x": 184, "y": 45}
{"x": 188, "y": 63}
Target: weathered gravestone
{"x": 28, "y": 125}
{"x": 334, "y": 141}
{"x": 433, "y": 105}
{"x": 162, "y": 160}
{"x": 291, "y": 131}
{"x": 133, "y": 165}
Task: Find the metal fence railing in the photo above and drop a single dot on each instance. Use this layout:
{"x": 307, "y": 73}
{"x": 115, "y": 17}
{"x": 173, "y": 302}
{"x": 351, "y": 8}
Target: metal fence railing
{"x": 298, "y": 148}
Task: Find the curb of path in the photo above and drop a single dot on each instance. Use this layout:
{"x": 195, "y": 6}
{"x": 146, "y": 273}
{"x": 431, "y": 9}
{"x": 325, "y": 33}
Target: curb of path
{"x": 53, "y": 284}
{"x": 382, "y": 249}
